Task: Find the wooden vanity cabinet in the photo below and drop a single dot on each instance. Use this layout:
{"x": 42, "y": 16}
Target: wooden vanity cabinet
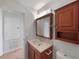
{"x": 35, "y": 54}
{"x": 67, "y": 23}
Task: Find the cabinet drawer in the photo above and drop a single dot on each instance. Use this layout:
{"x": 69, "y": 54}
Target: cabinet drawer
{"x": 48, "y": 50}
{"x": 47, "y": 54}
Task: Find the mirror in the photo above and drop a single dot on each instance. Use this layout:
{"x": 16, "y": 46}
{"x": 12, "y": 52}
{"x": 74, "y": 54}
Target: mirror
{"x": 44, "y": 26}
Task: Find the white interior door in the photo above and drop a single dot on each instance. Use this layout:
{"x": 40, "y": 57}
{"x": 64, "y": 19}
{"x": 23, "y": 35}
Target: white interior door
{"x": 13, "y": 31}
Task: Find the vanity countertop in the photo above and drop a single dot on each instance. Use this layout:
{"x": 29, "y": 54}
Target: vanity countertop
{"x": 40, "y": 44}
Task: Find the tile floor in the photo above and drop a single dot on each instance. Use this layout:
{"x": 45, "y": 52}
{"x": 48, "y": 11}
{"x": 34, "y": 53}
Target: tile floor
{"x": 18, "y": 54}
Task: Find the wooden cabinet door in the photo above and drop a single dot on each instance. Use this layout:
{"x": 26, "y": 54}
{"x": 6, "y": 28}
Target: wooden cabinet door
{"x": 67, "y": 18}
{"x": 30, "y": 52}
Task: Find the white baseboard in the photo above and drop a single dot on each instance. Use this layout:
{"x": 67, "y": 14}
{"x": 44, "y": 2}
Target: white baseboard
{"x": 1, "y": 53}
{"x": 11, "y": 50}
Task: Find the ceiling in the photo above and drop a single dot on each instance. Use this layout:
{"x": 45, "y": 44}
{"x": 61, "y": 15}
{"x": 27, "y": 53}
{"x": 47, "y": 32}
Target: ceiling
{"x": 34, "y": 4}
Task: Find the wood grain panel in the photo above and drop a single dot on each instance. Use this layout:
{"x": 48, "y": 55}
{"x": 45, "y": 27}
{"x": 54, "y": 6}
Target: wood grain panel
{"x": 66, "y": 18}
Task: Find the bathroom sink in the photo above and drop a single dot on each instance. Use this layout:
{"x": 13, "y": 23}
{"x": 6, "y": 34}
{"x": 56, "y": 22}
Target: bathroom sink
{"x": 40, "y": 44}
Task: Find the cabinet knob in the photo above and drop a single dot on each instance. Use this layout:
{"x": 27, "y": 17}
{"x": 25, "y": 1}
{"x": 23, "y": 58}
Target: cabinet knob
{"x": 48, "y": 53}
{"x": 56, "y": 27}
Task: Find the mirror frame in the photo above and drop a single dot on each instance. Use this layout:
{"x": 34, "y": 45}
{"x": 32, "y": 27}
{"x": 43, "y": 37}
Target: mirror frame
{"x": 50, "y": 15}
